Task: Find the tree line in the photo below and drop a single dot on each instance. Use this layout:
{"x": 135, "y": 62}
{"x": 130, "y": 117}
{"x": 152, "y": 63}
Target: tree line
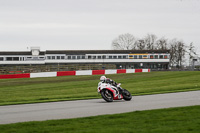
{"x": 178, "y": 49}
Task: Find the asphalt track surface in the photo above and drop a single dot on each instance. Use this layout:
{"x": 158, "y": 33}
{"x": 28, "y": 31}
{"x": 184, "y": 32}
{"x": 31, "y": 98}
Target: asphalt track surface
{"x": 85, "y": 108}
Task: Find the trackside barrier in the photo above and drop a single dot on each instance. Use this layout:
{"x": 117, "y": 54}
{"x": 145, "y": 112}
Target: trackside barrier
{"x": 145, "y": 70}
{"x": 10, "y": 76}
{"x": 121, "y": 71}
{"x": 70, "y": 73}
{"x": 43, "y": 74}
{"x": 130, "y": 70}
{"x": 98, "y": 72}
{"x": 84, "y": 72}
{"x": 138, "y": 70}
{"x": 110, "y": 71}
{"x": 66, "y": 73}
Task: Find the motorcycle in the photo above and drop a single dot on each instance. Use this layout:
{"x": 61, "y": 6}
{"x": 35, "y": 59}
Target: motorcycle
{"x": 110, "y": 92}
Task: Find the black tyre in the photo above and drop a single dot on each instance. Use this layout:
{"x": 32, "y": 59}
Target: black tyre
{"x": 126, "y": 95}
{"x": 107, "y": 95}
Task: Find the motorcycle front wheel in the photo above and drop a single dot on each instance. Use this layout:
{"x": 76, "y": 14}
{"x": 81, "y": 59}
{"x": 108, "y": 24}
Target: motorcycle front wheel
{"x": 126, "y": 95}
{"x": 107, "y": 95}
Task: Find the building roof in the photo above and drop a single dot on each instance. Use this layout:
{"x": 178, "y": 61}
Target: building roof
{"x": 19, "y": 53}
{"x": 83, "y": 52}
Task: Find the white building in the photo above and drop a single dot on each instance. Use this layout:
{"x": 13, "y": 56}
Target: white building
{"x": 152, "y": 59}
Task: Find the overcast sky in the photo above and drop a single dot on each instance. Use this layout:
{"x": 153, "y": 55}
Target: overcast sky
{"x": 93, "y": 24}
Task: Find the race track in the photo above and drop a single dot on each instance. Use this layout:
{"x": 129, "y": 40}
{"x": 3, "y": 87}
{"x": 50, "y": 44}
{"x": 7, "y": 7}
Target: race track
{"x": 84, "y": 108}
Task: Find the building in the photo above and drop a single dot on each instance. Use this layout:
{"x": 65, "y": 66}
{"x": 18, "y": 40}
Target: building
{"x": 64, "y": 60}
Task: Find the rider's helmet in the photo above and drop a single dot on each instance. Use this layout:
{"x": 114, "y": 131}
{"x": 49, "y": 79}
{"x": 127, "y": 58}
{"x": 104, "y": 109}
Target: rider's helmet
{"x": 102, "y": 78}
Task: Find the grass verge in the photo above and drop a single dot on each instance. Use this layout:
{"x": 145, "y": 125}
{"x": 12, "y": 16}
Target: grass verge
{"x": 34, "y": 90}
{"x": 172, "y": 120}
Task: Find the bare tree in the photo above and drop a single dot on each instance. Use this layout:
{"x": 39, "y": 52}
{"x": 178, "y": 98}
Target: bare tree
{"x": 172, "y": 47}
{"x": 124, "y": 42}
{"x": 162, "y": 44}
{"x": 177, "y": 48}
{"x": 192, "y": 53}
{"x": 140, "y": 44}
{"x": 150, "y": 41}
{"x": 181, "y": 50}
{"x": 177, "y": 52}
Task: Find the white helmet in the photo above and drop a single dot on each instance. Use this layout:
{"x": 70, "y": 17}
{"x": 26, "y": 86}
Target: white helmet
{"x": 102, "y": 78}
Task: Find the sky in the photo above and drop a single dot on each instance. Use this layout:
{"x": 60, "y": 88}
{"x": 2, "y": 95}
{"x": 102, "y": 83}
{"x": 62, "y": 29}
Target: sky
{"x": 94, "y": 24}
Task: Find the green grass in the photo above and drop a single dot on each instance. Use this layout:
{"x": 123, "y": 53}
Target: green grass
{"x": 19, "y": 91}
{"x": 172, "y": 120}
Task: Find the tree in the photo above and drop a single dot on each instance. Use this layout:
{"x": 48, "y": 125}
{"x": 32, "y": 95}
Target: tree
{"x": 162, "y": 43}
{"x": 181, "y": 50}
{"x": 172, "y": 47}
{"x": 177, "y": 48}
{"x": 177, "y": 52}
{"x": 192, "y": 53}
{"x": 140, "y": 44}
{"x": 124, "y": 42}
{"x": 150, "y": 41}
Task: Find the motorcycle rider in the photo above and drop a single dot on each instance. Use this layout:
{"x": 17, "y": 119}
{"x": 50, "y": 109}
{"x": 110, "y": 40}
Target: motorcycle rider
{"x": 103, "y": 79}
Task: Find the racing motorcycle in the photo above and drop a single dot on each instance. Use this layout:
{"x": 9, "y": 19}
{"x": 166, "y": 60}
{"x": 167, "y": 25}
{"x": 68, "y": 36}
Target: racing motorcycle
{"x": 110, "y": 92}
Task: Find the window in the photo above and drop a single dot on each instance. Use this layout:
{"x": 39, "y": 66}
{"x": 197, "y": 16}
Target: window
{"x": 151, "y": 56}
{"x": 110, "y": 57}
{"x": 93, "y": 57}
{"x": 12, "y": 58}
{"x": 16, "y": 58}
{"x": 53, "y": 57}
{"x": 156, "y": 56}
{"x": 21, "y": 58}
{"x": 9, "y": 58}
{"x": 89, "y": 57}
{"x": 99, "y": 57}
{"x": 124, "y": 57}
{"x": 1, "y": 58}
{"x": 41, "y": 57}
{"x": 83, "y": 57}
{"x": 69, "y": 57}
{"x": 161, "y": 56}
{"x": 130, "y": 56}
{"x": 62, "y": 57}
{"x": 73, "y": 57}
{"x": 144, "y": 56}
{"x": 48, "y": 57}
{"x": 119, "y": 57}
{"x": 104, "y": 57}
{"x": 140, "y": 56}
{"x": 165, "y": 56}
{"x": 115, "y": 57}
{"x": 58, "y": 57}
{"x": 78, "y": 57}
{"x": 135, "y": 56}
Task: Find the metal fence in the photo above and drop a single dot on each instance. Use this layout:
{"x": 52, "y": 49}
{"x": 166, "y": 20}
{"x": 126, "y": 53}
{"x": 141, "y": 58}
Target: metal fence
{"x": 14, "y": 69}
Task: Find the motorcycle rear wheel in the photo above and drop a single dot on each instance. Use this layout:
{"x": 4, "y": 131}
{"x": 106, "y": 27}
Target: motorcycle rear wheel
{"x": 107, "y": 95}
{"x": 126, "y": 95}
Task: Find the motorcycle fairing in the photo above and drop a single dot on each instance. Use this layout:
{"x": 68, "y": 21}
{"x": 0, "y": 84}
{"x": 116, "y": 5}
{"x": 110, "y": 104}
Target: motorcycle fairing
{"x": 113, "y": 89}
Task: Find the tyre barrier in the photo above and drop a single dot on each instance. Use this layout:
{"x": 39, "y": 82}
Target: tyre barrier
{"x": 72, "y": 73}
